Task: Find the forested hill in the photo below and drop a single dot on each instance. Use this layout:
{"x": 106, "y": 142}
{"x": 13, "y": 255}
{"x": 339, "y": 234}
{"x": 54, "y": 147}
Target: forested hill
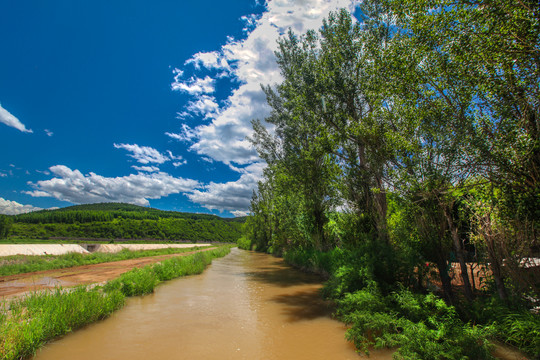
{"x": 124, "y": 221}
{"x": 107, "y": 212}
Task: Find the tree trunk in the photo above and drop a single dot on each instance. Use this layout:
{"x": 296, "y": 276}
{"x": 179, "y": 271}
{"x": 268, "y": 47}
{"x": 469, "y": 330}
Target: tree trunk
{"x": 460, "y": 255}
{"x": 495, "y": 267}
{"x": 445, "y": 279}
{"x": 381, "y": 208}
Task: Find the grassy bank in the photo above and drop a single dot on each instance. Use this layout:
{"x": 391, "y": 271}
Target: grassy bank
{"x": 28, "y": 323}
{"x": 18, "y": 264}
{"x": 419, "y": 325}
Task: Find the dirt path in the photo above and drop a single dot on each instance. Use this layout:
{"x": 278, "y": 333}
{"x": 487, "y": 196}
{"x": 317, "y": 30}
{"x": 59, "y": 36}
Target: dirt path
{"x": 20, "y": 284}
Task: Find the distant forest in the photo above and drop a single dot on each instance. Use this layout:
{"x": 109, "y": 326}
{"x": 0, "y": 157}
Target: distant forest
{"x": 122, "y": 221}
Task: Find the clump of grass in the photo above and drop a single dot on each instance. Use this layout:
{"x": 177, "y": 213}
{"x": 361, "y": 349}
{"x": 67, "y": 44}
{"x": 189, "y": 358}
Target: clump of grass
{"x": 28, "y": 323}
{"x": 19, "y": 264}
{"x": 40, "y": 317}
{"x": 143, "y": 281}
{"x": 520, "y": 329}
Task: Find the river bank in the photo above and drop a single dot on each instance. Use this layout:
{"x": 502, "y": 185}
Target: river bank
{"x": 29, "y": 322}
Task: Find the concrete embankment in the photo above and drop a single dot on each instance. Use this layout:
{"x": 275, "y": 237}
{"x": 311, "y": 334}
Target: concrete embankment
{"x": 40, "y": 249}
{"x": 61, "y": 249}
{"x": 114, "y": 248}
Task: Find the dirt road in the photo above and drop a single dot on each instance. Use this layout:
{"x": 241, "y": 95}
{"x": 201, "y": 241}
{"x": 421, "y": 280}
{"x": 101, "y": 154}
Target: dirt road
{"x": 20, "y": 284}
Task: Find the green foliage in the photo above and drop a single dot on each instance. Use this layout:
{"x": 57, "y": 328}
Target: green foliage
{"x": 421, "y": 326}
{"x": 135, "y": 282}
{"x": 5, "y": 226}
{"x": 124, "y": 221}
{"x": 162, "y": 229}
{"x": 107, "y": 212}
{"x": 420, "y": 124}
{"x": 244, "y": 243}
{"x": 521, "y": 329}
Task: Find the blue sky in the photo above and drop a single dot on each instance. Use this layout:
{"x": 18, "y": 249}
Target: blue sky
{"x": 142, "y": 102}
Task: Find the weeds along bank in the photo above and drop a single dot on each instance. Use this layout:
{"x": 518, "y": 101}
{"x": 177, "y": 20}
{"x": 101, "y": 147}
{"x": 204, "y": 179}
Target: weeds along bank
{"x": 28, "y": 323}
{"x": 421, "y": 325}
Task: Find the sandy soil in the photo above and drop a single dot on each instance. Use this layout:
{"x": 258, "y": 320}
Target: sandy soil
{"x": 40, "y": 249}
{"x": 20, "y": 284}
{"x": 61, "y": 249}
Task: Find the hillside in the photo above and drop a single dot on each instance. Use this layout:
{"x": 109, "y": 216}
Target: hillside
{"x": 124, "y": 221}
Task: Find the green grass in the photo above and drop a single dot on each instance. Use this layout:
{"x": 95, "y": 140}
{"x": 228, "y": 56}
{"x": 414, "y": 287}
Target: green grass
{"x": 28, "y": 323}
{"x": 144, "y": 280}
{"x": 35, "y": 319}
{"x": 18, "y": 264}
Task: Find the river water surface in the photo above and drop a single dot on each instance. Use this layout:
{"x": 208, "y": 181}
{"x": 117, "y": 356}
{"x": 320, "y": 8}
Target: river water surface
{"x": 244, "y": 306}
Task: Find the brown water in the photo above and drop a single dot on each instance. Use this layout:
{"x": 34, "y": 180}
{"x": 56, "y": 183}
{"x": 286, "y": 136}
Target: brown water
{"x": 244, "y": 306}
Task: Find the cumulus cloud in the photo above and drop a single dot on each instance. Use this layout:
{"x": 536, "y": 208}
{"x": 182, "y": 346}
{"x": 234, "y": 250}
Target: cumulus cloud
{"x": 252, "y": 62}
{"x": 143, "y": 154}
{"x": 187, "y": 134}
{"x": 234, "y": 196}
{"x": 194, "y": 85}
{"x": 205, "y": 106}
{"x": 10, "y": 120}
{"x": 209, "y": 60}
{"x": 75, "y": 187}
{"x": 8, "y": 207}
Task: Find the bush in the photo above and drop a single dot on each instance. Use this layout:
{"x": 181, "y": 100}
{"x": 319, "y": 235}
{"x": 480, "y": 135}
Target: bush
{"x": 244, "y": 243}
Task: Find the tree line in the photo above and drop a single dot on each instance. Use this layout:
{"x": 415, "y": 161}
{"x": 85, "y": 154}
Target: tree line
{"x": 411, "y": 138}
{"x": 120, "y": 221}
{"x": 107, "y": 212}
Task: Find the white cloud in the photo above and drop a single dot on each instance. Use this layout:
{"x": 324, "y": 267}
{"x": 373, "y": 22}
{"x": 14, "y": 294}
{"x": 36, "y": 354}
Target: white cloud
{"x": 194, "y": 86}
{"x": 187, "y": 134}
{"x": 75, "y": 187}
{"x": 175, "y": 136}
{"x": 143, "y": 154}
{"x": 177, "y": 74}
{"x": 234, "y": 196}
{"x": 238, "y": 213}
{"x": 209, "y": 60}
{"x": 48, "y": 132}
{"x": 10, "y": 120}
{"x": 179, "y": 163}
{"x": 8, "y": 207}
{"x": 252, "y": 62}
{"x": 146, "y": 168}
{"x": 205, "y": 106}
{"x": 250, "y": 22}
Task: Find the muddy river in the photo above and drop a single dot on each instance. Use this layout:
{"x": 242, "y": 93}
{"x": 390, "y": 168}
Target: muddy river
{"x": 244, "y": 306}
